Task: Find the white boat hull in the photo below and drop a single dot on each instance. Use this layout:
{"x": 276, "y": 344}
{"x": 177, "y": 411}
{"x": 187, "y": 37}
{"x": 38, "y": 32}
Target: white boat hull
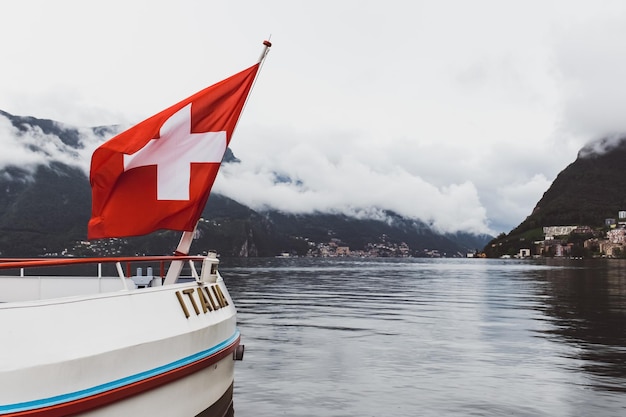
{"x": 183, "y": 397}
{"x": 162, "y": 351}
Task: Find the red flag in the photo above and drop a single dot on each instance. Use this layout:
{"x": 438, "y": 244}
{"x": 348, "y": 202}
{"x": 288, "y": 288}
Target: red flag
{"x": 159, "y": 173}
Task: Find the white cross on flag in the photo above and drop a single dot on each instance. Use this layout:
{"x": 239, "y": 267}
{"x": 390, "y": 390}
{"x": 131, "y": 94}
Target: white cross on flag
{"x": 159, "y": 173}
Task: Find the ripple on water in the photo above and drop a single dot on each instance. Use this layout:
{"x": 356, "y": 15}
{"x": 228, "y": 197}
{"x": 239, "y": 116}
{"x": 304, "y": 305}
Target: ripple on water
{"x": 429, "y": 338}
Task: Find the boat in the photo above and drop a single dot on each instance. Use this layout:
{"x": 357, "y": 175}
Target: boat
{"x": 131, "y": 335}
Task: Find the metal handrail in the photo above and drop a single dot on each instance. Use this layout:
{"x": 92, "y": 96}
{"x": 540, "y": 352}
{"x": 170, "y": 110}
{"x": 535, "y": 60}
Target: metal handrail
{"x": 12, "y": 263}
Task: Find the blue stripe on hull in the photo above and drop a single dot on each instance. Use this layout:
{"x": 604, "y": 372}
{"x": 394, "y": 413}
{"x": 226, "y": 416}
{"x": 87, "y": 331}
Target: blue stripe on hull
{"x": 119, "y": 383}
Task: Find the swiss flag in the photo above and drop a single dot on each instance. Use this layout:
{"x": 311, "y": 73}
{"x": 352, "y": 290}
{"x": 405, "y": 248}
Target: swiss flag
{"x": 159, "y": 173}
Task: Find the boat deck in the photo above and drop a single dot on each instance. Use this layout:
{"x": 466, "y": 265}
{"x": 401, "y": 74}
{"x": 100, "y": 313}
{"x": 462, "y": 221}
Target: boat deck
{"x": 19, "y": 288}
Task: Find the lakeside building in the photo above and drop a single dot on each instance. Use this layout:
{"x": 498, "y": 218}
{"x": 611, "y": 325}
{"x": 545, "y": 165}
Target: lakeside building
{"x": 551, "y": 232}
{"x": 564, "y": 241}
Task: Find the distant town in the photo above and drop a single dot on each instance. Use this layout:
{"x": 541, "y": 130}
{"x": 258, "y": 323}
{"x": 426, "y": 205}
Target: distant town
{"x": 330, "y": 249}
{"x": 334, "y": 248}
{"x": 383, "y": 249}
{"x": 576, "y": 241}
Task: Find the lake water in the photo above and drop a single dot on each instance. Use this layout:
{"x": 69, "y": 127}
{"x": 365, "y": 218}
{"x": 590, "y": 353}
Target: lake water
{"x": 417, "y": 337}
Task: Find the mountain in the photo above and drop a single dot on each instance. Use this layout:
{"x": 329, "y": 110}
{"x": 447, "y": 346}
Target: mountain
{"x": 588, "y": 191}
{"x": 45, "y": 207}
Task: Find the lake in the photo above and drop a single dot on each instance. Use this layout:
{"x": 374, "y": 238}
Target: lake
{"x": 421, "y": 337}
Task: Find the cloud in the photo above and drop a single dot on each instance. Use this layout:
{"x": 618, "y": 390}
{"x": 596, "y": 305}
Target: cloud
{"x": 331, "y": 174}
{"x": 602, "y": 145}
{"x": 590, "y": 61}
{"x": 402, "y": 104}
{"x": 31, "y": 148}
{"x": 513, "y": 198}
{"x": 341, "y": 179}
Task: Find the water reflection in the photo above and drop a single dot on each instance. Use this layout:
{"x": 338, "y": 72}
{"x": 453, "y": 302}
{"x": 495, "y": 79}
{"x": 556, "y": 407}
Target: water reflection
{"x": 429, "y": 338}
{"x": 587, "y": 302}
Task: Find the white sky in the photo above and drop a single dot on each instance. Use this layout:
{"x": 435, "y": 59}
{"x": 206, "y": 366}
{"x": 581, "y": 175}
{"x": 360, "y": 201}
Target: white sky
{"x": 457, "y": 112}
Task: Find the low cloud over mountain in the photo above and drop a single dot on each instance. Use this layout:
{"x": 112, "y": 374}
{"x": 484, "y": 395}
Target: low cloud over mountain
{"x": 296, "y": 179}
{"x": 27, "y": 143}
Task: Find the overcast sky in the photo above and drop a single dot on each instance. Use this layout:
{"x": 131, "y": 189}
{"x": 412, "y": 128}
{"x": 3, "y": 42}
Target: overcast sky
{"x": 460, "y": 113}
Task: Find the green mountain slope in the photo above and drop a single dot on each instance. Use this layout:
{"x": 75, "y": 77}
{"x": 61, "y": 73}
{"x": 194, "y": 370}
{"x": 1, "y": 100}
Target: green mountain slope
{"x": 588, "y": 191}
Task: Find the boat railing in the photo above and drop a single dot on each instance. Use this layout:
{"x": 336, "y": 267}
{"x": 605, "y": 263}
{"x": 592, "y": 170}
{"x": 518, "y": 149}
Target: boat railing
{"x": 42, "y": 268}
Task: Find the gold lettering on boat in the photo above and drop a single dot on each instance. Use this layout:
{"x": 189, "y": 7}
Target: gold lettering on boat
{"x": 219, "y": 295}
{"x": 202, "y": 298}
{"x": 203, "y": 301}
{"x": 182, "y": 304}
{"x": 189, "y": 292}
{"x": 210, "y": 298}
{"x": 219, "y": 290}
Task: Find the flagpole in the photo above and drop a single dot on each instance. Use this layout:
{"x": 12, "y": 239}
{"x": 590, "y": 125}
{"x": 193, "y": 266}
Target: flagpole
{"x": 266, "y": 50}
{"x": 187, "y": 238}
